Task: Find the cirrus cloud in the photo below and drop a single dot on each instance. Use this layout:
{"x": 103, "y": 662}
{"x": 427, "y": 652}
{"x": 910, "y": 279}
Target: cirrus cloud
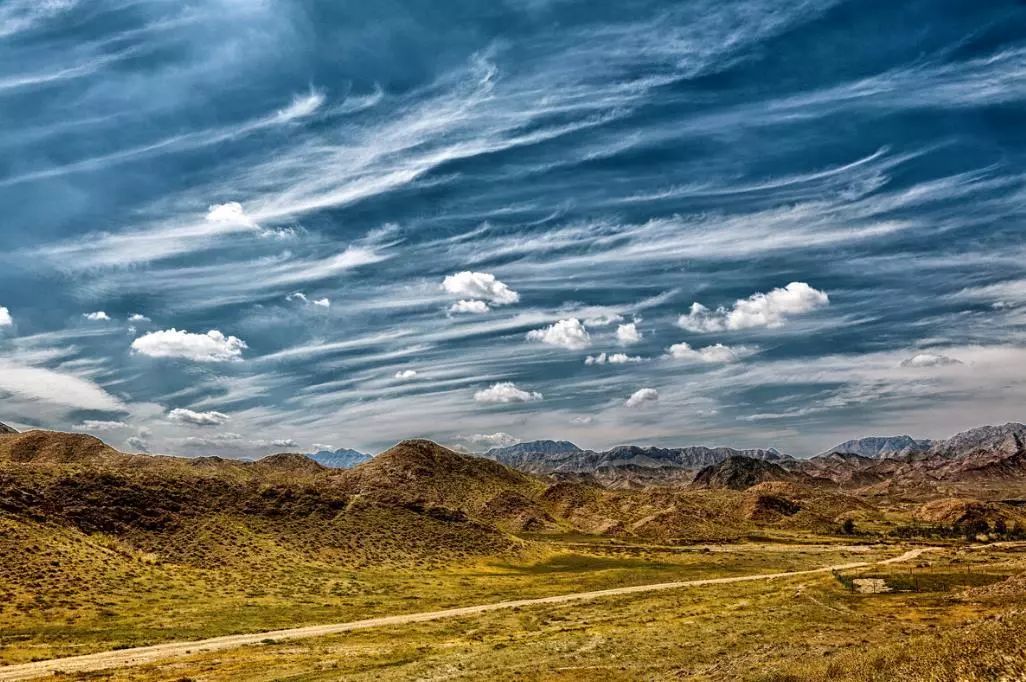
{"x": 100, "y": 425}
{"x": 172, "y": 343}
{"x": 300, "y": 296}
{"x": 770, "y": 309}
{"x": 55, "y": 388}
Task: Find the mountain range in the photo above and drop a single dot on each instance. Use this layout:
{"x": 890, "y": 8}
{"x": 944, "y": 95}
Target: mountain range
{"x": 621, "y": 466}
{"x": 977, "y": 453}
{"x": 418, "y": 499}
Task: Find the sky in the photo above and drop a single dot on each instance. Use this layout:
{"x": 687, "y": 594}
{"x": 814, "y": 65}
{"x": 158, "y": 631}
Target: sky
{"x": 237, "y": 227}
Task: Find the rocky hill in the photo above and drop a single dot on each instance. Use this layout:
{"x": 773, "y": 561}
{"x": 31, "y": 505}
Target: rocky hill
{"x": 740, "y": 473}
{"x": 4, "y": 428}
{"x": 50, "y": 447}
{"x": 209, "y": 509}
{"x": 526, "y": 455}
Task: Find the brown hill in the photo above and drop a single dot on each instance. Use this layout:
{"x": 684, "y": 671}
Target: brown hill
{"x": 52, "y": 447}
{"x": 197, "y": 511}
{"x": 846, "y": 469}
{"x": 424, "y": 475}
{"x": 740, "y": 473}
{"x": 967, "y": 513}
{"x": 291, "y": 462}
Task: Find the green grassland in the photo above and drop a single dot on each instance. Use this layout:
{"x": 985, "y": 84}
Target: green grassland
{"x": 63, "y": 592}
{"x": 789, "y": 629}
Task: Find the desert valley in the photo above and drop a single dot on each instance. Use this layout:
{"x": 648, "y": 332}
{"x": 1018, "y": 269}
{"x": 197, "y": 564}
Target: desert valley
{"x": 491, "y": 340}
{"x": 879, "y": 559}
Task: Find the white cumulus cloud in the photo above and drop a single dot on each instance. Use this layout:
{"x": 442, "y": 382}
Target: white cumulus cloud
{"x": 182, "y": 415}
{"x": 406, "y": 374}
{"x": 569, "y": 334}
{"x": 468, "y": 306}
{"x": 929, "y": 360}
{"x": 172, "y": 343}
{"x": 642, "y": 396}
{"x": 627, "y": 334}
{"x": 138, "y": 317}
{"x": 506, "y": 392}
{"x": 5, "y": 317}
{"x": 230, "y": 214}
{"x": 769, "y": 309}
{"x": 479, "y": 285}
{"x": 98, "y": 316}
{"x": 612, "y": 359}
{"x": 492, "y": 440}
{"x": 712, "y": 354}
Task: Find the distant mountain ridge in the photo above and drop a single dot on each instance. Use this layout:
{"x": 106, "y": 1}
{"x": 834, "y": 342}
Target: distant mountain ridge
{"x": 991, "y": 453}
{"x": 343, "y": 458}
{"x": 1007, "y": 439}
{"x": 986, "y": 452}
{"x": 877, "y": 447}
{"x": 624, "y": 464}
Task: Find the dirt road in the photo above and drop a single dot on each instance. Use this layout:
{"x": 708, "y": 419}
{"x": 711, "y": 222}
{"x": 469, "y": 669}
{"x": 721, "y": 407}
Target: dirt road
{"x": 158, "y": 652}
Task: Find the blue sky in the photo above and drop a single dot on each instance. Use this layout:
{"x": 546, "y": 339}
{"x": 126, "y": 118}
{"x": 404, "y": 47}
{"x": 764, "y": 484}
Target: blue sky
{"x": 241, "y": 226}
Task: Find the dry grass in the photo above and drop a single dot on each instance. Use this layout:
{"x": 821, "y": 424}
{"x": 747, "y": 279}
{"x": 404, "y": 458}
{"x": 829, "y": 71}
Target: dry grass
{"x": 803, "y": 628}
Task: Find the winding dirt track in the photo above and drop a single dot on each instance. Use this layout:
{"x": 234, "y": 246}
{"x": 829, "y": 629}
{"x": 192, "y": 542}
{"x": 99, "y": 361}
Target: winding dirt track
{"x": 151, "y": 654}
